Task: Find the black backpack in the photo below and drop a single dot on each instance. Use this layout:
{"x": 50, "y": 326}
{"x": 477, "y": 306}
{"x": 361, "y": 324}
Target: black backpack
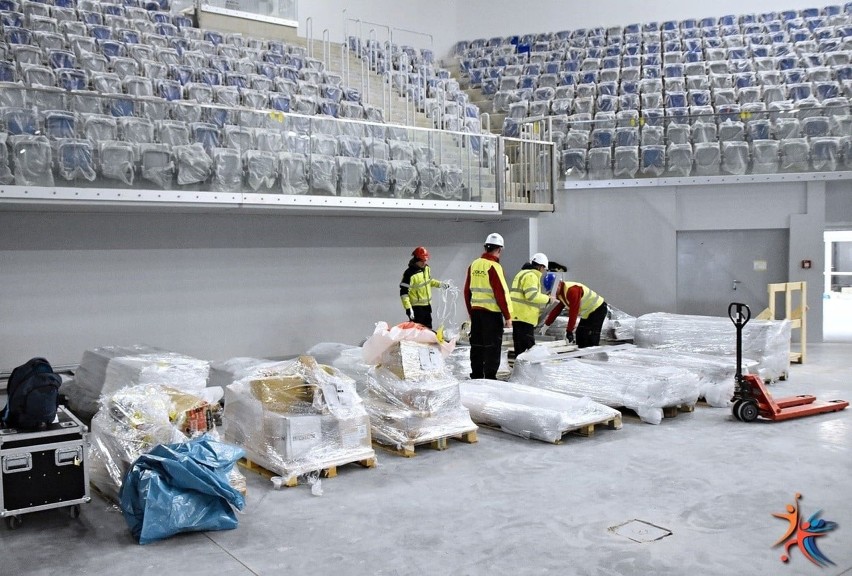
{"x": 33, "y": 395}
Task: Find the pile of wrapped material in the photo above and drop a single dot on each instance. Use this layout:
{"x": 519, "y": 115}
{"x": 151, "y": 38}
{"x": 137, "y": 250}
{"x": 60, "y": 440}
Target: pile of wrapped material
{"x": 458, "y": 362}
{"x": 618, "y": 325}
{"x": 645, "y": 390}
{"x": 765, "y": 341}
{"x": 531, "y": 413}
{"x": 296, "y": 417}
{"x": 104, "y": 371}
{"x": 410, "y": 394}
{"x": 715, "y": 375}
{"x": 345, "y": 357}
{"x": 134, "y": 419}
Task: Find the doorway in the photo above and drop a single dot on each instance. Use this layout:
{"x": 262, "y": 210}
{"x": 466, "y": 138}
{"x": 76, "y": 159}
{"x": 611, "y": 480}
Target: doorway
{"x": 837, "y": 292}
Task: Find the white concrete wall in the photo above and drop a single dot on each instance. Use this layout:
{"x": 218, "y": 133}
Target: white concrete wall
{"x": 216, "y": 286}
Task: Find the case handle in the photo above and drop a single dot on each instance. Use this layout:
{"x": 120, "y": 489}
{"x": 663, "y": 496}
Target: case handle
{"x": 66, "y": 456}
{"x": 17, "y": 463}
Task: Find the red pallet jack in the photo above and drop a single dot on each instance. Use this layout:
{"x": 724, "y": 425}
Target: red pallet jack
{"x": 751, "y": 399}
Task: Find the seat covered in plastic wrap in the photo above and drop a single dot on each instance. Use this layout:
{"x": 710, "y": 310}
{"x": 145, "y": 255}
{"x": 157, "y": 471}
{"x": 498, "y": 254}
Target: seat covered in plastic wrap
{"x": 194, "y": 165}
{"x": 708, "y": 157}
{"x": 735, "y": 158}
{"x": 294, "y": 173}
{"x": 74, "y": 160}
{"x": 794, "y": 153}
{"x": 652, "y": 159}
{"x": 19, "y": 121}
{"x": 573, "y": 162}
{"x": 238, "y": 138}
{"x": 626, "y": 161}
{"x": 431, "y": 180}
{"x": 680, "y": 158}
{"x": 261, "y": 169}
{"x": 117, "y": 161}
{"x": 227, "y": 170}
{"x": 352, "y": 175}
{"x": 405, "y": 178}
{"x": 156, "y": 164}
{"x": 323, "y": 144}
{"x": 453, "y": 178}
{"x": 764, "y": 155}
{"x": 825, "y": 153}
{"x": 33, "y": 160}
{"x": 323, "y": 174}
{"x": 60, "y": 124}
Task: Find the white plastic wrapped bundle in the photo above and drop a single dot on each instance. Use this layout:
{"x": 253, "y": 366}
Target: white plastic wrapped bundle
{"x": 103, "y": 371}
{"x": 130, "y": 423}
{"x": 618, "y": 325}
{"x": 345, "y": 357}
{"x": 642, "y": 389}
{"x": 715, "y": 374}
{"x": 226, "y": 372}
{"x": 529, "y": 412}
{"x": 459, "y": 361}
{"x": 194, "y": 164}
{"x": 297, "y": 416}
{"x": 404, "y": 413}
{"x": 765, "y": 341}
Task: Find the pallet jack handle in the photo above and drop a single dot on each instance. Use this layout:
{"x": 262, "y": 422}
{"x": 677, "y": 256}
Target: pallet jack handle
{"x": 739, "y": 314}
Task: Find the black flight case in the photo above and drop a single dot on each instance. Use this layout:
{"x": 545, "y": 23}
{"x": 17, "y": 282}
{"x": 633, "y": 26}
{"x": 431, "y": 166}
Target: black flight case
{"x": 44, "y": 469}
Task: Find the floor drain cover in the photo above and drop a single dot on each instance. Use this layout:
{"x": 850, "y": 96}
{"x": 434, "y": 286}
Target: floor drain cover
{"x": 640, "y": 531}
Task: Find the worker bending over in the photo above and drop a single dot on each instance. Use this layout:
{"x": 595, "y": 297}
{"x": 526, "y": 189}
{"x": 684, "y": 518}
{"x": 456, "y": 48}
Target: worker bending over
{"x": 415, "y": 289}
{"x": 489, "y": 307}
{"x": 584, "y": 303}
{"x": 528, "y": 301}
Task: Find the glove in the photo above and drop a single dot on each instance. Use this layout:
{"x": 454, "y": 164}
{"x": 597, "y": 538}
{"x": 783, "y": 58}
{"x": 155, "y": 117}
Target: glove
{"x": 569, "y": 337}
{"x": 445, "y": 285}
{"x": 410, "y": 314}
{"x": 543, "y": 330}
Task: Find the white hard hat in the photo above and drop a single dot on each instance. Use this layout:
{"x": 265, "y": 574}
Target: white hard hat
{"x": 540, "y": 259}
{"x": 494, "y": 239}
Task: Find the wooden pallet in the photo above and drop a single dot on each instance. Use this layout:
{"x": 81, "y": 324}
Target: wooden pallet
{"x": 293, "y": 480}
{"x": 672, "y": 411}
{"x": 440, "y": 443}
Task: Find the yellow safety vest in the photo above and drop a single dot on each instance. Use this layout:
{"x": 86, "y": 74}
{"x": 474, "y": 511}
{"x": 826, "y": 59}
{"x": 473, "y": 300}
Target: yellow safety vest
{"x": 419, "y": 289}
{"x": 481, "y": 294}
{"x": 527, "y": 299}
{"x": 590, "y": 301}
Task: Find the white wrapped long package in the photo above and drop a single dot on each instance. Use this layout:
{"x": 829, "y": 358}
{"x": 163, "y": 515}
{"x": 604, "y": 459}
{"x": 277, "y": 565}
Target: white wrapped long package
{"x": 528, "y": 412}
{"x": 642, "y": 389}
{"x": 405, "y": 412}
{"x": 297, "y": 416}
{"x": 715, "y": 374}
{"x": 618, "y": 325}
{"x": 765, "y": 341}
{"x": 105, "y": 370}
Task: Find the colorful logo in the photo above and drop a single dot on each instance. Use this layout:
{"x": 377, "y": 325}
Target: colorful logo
{"x": 803, "y": 533}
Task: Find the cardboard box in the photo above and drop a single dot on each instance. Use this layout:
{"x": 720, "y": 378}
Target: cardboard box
{"x": 284, "y": 394}
{"x": 413, "y": 360}
{"x": 293, "y": 436}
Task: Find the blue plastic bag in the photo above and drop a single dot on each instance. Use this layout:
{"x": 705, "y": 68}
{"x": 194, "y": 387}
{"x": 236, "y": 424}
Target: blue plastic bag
{"x": 181, "y": 488}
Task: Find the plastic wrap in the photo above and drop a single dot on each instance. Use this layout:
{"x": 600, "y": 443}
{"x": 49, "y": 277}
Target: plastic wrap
{"x": 157, "y": 164}
{"x": 405, "y": 178}
{"x": 116, "y": 161}
{"x": 194, "y": 164}
{"x": 642, "y": 389}
{"x": 227, "y": 170}
{"x": 323, "y": 174}
{"x": 5, "y": 174}
{"x": 181, "y": 488}
{"x": 528, "y": 412}
{"x": 765, "y": 341}
{"x": 404, "y": 412}
{"x": 294, "y": 173}
{"x": 32, "y": 160}
{"x": 297, "y": 416}
{"x": 352, "y": 174}
{"x": 618, "y": 325}
{"x": 103, "y": 371}
{"x": 134, "y": 420}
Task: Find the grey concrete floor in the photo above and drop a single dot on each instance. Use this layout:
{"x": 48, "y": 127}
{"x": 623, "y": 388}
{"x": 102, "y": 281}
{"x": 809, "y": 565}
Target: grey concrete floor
{"x": 511, "y": 506}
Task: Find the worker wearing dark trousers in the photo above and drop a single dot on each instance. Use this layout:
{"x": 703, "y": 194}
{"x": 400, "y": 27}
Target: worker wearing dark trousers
{"x": 583, "y": 303}
{"x": 528, "y": 301}
{"x": 489, "y": 307}
{"x": 415, "y": 289}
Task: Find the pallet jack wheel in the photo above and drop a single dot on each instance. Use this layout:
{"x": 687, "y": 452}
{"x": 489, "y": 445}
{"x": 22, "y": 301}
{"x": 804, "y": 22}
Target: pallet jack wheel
{"x": 13, "y": 522}
{"x": 735, "y": 410}
{"x": 749, "y": 411}
{"x": 74, "y": 511}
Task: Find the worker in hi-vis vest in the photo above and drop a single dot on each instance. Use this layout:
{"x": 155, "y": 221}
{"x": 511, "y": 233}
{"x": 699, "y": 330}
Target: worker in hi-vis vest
{"x": 584, "y": 303}
{"x": 528, "y": 302}
{"x": 486, "y": 296}
{"x": 415, "y": 290}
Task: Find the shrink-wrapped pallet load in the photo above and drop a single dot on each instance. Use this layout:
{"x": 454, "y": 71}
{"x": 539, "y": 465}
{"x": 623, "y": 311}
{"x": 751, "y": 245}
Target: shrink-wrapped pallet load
{"x": 765, "y": 341}
{"x": 645, "y": 390}
{"x": 297, "y": 416}
{"x": 533, "y": 413}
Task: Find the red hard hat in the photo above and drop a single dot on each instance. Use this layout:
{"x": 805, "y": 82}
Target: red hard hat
{"x": 421, "y": 253}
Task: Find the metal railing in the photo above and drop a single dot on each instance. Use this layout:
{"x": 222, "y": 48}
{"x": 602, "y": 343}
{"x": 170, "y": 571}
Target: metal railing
{"x": 284, "y": 9}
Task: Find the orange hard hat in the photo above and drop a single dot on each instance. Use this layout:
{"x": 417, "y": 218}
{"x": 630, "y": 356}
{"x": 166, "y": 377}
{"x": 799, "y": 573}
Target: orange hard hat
{"x": 421, "y": 253}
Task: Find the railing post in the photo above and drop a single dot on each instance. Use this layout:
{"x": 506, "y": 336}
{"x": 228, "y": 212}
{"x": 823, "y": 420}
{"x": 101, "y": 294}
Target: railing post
{"x": 309, "y": 34}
